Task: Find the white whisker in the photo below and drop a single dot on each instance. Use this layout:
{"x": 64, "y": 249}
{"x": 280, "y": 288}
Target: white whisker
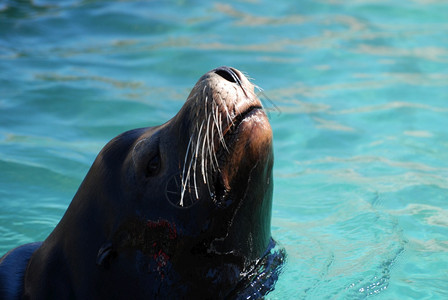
{"x": 223, "y": 141}
{"x": 204, "y": 142}
{"x": 209, "y": 136}
{"x": 184, "y": 183}
{"x": 196, "y": 159}
{"x": 210, "y": 141}
{"x": 229, "y": 118}
{"x": 185, "y": 160}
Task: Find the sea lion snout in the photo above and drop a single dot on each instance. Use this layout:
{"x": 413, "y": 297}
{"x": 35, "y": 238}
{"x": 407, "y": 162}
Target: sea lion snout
{"x": 227, "y": 126}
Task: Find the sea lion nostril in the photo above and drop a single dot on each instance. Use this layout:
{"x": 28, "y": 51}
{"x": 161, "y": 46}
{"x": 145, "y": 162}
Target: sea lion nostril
{"x": 228, "y": 74}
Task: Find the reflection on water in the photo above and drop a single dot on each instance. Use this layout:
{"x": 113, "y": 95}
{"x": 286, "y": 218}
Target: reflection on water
{"x": 357, "y": 96}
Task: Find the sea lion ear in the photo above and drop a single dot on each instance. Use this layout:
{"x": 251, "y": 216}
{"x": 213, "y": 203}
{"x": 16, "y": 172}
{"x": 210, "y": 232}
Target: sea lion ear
{"x": 105, "y": 255}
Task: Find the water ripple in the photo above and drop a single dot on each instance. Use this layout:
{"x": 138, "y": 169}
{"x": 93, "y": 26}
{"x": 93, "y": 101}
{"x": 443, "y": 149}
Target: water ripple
{"x": 431, "y": 215}
{"x": 436, "y": 54}
{"x": 66, "y": 78}
{"x": 370, "y": 159}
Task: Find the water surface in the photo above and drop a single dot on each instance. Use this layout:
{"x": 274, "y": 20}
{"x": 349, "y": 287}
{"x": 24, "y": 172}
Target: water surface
{"x": 357, "y": 93}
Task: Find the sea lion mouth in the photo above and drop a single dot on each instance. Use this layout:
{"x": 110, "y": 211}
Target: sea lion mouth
{"x": 236, "y": 122}
{"x": 231, "y": 136}
{"x": 242, "y": 146}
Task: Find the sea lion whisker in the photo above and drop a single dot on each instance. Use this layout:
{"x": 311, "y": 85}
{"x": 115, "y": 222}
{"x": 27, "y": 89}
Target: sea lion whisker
{"x": 209, "y": 158}
{"x": 204, "y": 157}
{"x": 192, "y": 96}
{"x": 205, "y": 105}
{"x": 264, "y": 99}
{"x": 247, "y": 93}
{"x": 186, "y": 156}
{"x": 184, "y": 179}
{"x": 214, "y": 158}
{"x": 229, "y": 117}
{"x": 196, "y": 160}
{"x": 218, "y": 125}
{"x": 223, "y": 141}
{"x": 247, "y": 76}
{"x": 260, "y": 89}
{"x": 181, "y": 203}
{"x": 211, "y": 147}
{"x": 215, "y": 113}
{"x": 210, "y": 127}
{"x": 213, "y": 136}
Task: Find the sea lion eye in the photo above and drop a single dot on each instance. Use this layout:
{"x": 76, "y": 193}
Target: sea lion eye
{"x": 153, "y": 165}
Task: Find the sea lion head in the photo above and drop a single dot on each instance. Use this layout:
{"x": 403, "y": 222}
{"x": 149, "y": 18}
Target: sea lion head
{"x": 213, "y": 161}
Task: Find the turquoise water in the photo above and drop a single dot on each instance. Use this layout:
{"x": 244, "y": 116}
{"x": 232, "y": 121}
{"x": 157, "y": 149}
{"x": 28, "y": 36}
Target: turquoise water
{"x": 357, "y": 93}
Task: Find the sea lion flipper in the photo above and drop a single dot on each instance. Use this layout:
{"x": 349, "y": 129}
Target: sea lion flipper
{"x": 12, "y": 270}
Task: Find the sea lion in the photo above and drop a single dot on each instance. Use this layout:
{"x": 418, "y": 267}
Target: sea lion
{"x": 180, "y": 210}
